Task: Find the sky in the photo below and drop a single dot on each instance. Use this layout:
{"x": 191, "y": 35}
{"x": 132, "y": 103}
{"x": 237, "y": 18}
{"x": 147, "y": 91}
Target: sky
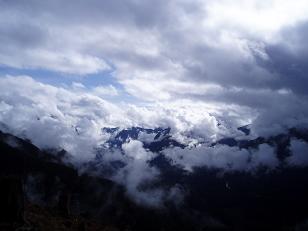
{"x": 187, "y": 65}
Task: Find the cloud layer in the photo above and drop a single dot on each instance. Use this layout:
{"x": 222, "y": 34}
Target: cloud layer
{"x": 202, "y": 68}
{"x": 219, "y": 52}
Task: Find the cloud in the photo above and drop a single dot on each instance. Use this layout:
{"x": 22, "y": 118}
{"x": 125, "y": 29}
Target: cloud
{"x": 211, "y": 51}
{"x": 299, "y": 155}
{"x": 265, "y": 156}
{"x": 223, "y": 157}
{"x": 54, "y": 117}
{"x": 139, "y": 177}
{"x": 138, "y": 172}
{"x": 28, "y": 45}
{"x": 105, "y": 91}
{"x": 262, "y": 18}
{"x": 72, "y": 117}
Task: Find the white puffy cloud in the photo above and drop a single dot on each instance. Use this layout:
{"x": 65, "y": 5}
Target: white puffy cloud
{"x": 54, "y": 117}
{"x": 223, "y": 157}
{"x": 72, "y": 117}
{"x": 256, "y": 17}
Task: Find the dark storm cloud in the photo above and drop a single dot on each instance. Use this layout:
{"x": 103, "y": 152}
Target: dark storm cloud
{"x": 22, "y": 35}
{"x": 289, "y": 60}
{"x": 80, "y": 28}
{"x": 143, "y": 13}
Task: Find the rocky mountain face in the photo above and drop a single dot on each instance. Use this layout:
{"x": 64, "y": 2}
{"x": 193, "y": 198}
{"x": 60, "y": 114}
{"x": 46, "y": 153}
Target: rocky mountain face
{"x": 154, "y": 140}
{"x": 41, "y": 191}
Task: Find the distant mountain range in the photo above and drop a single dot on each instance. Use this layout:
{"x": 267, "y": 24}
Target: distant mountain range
{"x": 158, "y": 139}
{"x": 154, "y": 140}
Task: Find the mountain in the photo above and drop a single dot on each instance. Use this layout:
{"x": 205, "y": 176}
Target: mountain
{"x": 158, "y": 139}
{"x": 153, "y": 139}
{"x": 42, "y": 191}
